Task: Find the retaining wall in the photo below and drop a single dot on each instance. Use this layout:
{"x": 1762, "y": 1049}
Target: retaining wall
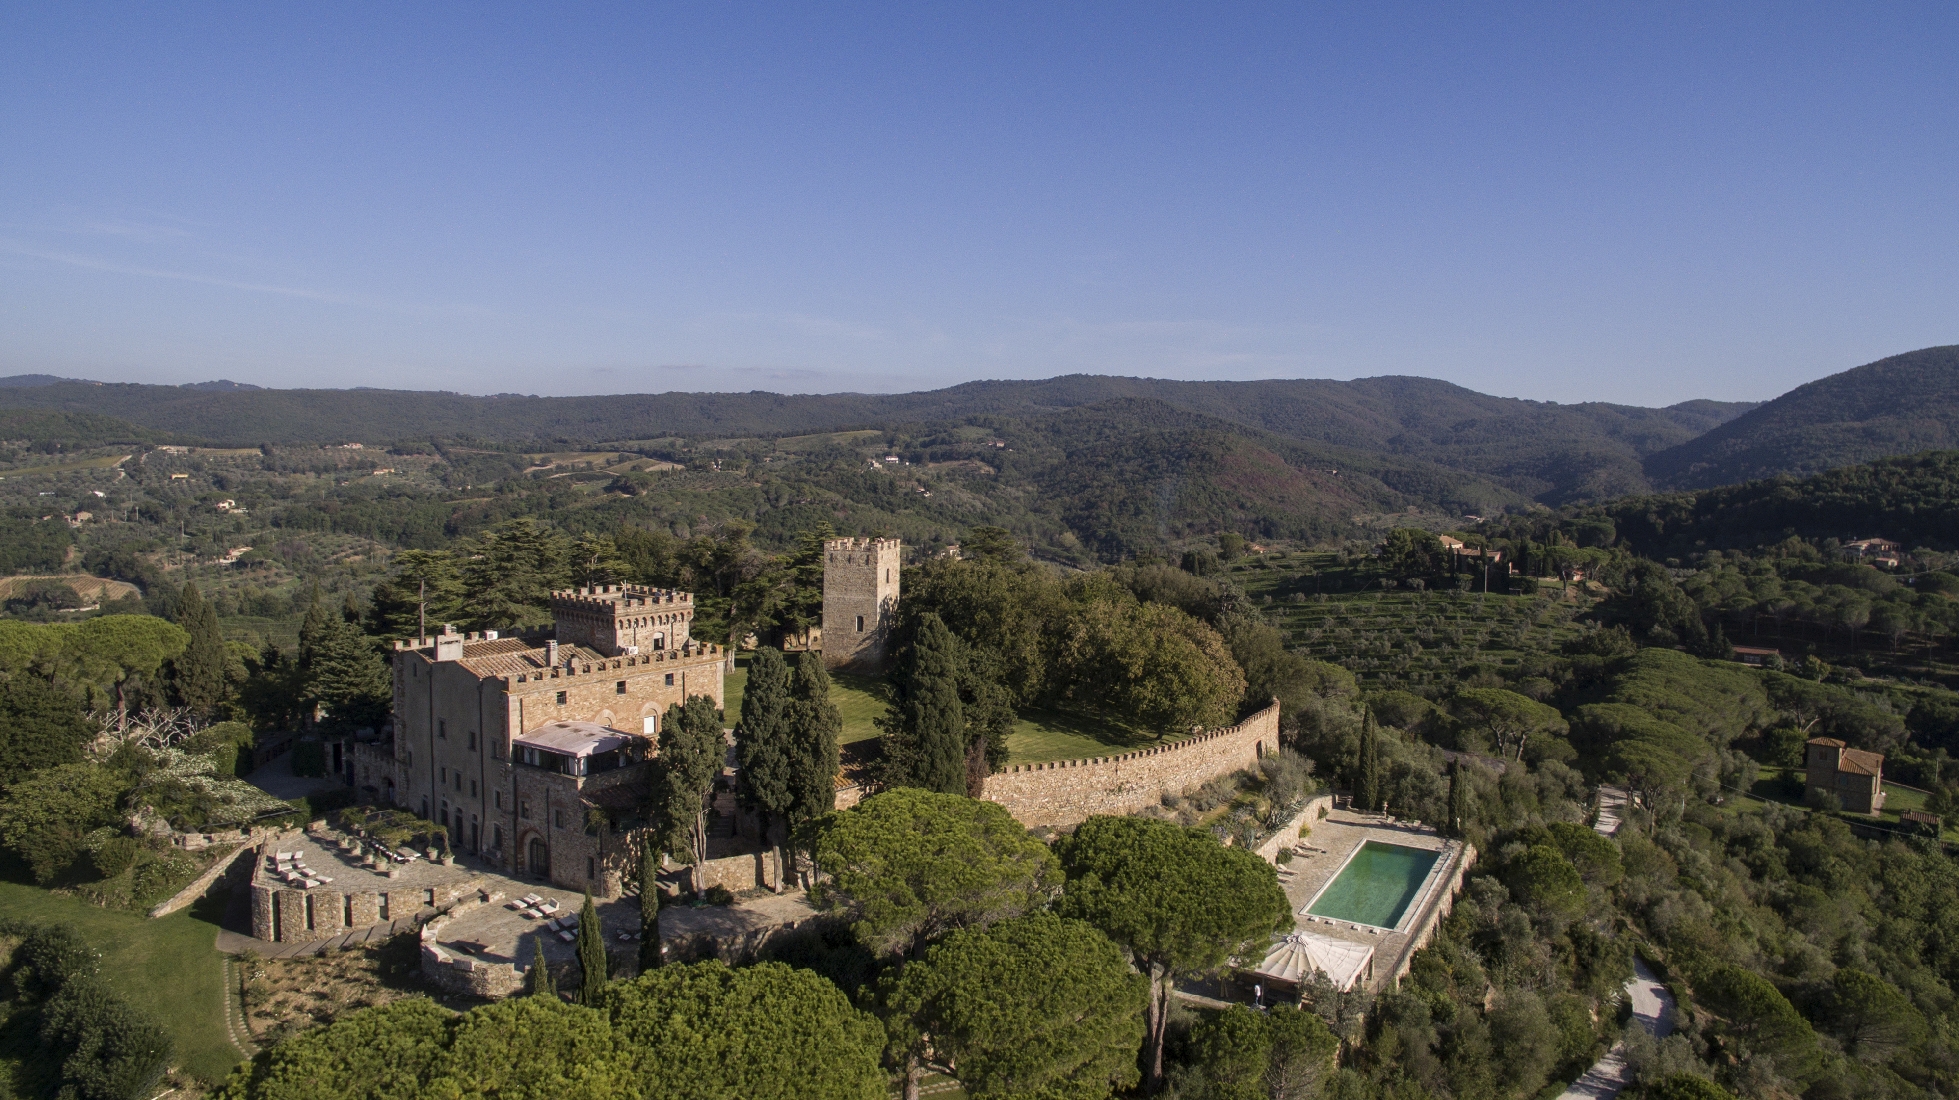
{"x": 737, "y": 873}
{"x": 220, "y": 867}
{"x": 1290, "y": 832}
{"x": 1067, "y": 792}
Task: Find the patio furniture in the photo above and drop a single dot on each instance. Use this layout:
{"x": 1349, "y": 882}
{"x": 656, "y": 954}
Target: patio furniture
{"x": 567, "y": 936}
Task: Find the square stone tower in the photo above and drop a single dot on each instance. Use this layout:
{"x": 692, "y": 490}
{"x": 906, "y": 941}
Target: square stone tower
{"x": 618, "y": 619}
{"x": 860, "y": 598}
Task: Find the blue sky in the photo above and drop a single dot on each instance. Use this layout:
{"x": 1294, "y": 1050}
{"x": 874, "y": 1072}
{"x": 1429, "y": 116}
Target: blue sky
{"x": 1636, "y": 203}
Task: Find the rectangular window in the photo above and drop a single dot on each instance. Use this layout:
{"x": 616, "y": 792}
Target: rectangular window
{"x": 591, "y": 868}
{"x": 499, "y": 800}
{"x": 669, "y": 679}
{"x": 860, "y": 624}
{"x": 558, "y": 818}
{"x": 561, "y": 698}
{"x": 620, "y": 687}
{"x": 472, "y": 740}
{"x": 524, "y": 810}
{"x": 442, "y": 776}
{"x": 472, "y": 788}
{"x": 442, "y": 725}
{"x": 383, "y": 913}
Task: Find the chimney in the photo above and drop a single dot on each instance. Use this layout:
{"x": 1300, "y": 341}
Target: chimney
{"x": 551, "y": 653}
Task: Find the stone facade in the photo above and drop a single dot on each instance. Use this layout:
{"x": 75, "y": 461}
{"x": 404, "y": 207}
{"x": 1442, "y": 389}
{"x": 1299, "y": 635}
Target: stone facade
{"x": 1067, "y": 792}
{"x": 620, "y": 656}
{"x": 860, "y": 598}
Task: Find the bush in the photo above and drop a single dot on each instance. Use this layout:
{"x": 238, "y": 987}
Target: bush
{"x": 108, "y": 1049}
{"x": 115, "y": 855}
{"x": 718, "y": 895}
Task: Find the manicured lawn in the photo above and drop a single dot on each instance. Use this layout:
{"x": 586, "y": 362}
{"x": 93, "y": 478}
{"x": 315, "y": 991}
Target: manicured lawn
{"x": 1041, "y": 736}
{"x": 855, "y": 696}
{"x": 169, "y": 967}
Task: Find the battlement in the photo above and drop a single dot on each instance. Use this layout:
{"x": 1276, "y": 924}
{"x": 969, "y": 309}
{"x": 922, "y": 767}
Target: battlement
{"x": 847, "y": 546}
{"x": 1195, "y": 740}
{"x": 619, "y": 598}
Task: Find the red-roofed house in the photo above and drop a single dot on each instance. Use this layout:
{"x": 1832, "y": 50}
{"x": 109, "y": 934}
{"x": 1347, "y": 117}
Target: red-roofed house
{"x": 1855, "y": 776}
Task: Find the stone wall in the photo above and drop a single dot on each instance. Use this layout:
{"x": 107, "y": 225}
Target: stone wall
{"x": 737, "y": 873}
{"x": 282, "y": 914}
{"x": 220, "y": 867}
{"x": 1067, "y": 792}
{"x": 1437, "y": 905}
{"x": 1291, "y": 831}
{"x": 461, "y": 973}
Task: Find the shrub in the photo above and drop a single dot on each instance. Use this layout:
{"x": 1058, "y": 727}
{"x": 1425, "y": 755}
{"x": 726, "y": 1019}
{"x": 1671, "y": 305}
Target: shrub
{"x": 115, "y": 855}
{"x": 309, "y": 759}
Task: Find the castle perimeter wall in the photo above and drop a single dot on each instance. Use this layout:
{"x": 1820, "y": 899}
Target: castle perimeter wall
{"x": 1068, "y": 792}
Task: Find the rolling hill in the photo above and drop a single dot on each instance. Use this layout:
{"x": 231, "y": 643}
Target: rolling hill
{"x": 1547, "y": 452}
{"x": 1899, "y": 405}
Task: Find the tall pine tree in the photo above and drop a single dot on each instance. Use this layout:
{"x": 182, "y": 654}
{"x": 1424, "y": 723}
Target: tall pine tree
{"x": 592, "y": 963}
{"x": 817, "y": 726}
{"x": 925, "y": 733}
{"x": 1458, "y": 799}
{"x": 764, "y": 738}
{"x": 1367, "y": 775}
{"x": 538, "y": 982}
{"x": 198, "y": 672}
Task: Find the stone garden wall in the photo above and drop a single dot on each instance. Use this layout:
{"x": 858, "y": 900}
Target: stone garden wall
{"x": 1067, "y": 792}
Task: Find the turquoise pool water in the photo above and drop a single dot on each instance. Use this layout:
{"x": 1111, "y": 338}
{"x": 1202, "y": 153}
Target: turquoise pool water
{"x": 1376, "y": 886}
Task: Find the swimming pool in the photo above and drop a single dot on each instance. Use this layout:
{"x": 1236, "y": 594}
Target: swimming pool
{"x": 1376, "y": 886}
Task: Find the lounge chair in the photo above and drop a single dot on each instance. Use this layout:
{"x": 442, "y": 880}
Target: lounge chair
{"x": 567, "y": 936}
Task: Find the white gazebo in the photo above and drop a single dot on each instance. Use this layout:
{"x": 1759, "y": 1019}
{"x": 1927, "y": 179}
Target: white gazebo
{"x": 1294, "y": 959}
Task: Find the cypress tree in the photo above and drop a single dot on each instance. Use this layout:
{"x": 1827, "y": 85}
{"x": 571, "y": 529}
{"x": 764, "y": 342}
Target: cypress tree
{"x": 1367, "y": 777}
{"x": 538, "y": 982}
{"x": 649, "y": 906}
{"x": 1458, "y": 799}
{"x": 591, "y": 954}
{"x": 931, "y": 718}
{"x": 199, "y": 670}
{"x": 763, "y": 737}
{"x": 817, "y": 726}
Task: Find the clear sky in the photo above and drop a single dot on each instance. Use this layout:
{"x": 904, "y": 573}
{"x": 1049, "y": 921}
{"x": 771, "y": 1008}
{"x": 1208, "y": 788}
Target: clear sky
{"x": 1571, "y": 201}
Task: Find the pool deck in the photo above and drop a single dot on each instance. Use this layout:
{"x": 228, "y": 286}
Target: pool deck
{"x": 1336, "y": 837}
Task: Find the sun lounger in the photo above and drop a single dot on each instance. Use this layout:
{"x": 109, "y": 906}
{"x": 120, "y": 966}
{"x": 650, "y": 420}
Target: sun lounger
{"x": 309, "y": 883}
{"x": 553, "y": 925}
{"x": 549, "y": 907}
{"x": 533, "y": 899}
{"x": 567, "y": 936}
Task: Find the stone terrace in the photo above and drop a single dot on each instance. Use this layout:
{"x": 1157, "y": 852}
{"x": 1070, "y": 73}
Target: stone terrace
{"x": 1325, "y": 852}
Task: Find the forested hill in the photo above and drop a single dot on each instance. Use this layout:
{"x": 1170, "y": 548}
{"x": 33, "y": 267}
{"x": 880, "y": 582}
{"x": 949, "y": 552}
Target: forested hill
{"x": 1912, "y": 499}
{"x": 1900, "y": 405}
{"x": 1548, "y": 452}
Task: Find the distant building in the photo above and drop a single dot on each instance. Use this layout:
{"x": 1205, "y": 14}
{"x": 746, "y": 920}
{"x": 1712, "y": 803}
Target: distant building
{"x": 1872, "y": 548}
{"x": 1755, "y": 655}
{"x": 1855, "y": 776}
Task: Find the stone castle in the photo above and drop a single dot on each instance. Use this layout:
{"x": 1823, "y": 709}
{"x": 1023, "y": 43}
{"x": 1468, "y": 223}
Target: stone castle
{"x": 513, "y": 743}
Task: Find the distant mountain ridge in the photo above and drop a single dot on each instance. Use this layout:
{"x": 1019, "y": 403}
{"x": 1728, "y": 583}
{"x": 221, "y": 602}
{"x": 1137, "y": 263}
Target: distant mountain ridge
{"x": 1544, "y": 451}
{"x": 1899, "y": 405}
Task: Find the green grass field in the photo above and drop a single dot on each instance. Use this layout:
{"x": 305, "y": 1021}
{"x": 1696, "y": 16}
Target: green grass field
{"x": 169, "y": 967}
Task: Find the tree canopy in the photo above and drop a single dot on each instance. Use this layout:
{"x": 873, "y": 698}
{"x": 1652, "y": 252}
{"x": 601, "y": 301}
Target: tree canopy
{"x": 910, "y": 865}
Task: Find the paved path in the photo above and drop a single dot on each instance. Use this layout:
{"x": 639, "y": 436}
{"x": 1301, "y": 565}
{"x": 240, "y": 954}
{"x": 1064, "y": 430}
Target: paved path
{"x": 1653, "y": 1010}
{"x": 1611, "y": 800}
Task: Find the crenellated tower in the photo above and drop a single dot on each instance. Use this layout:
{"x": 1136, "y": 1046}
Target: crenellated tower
{"x": 860, "y": 598}
{"x": 617, "y": 619}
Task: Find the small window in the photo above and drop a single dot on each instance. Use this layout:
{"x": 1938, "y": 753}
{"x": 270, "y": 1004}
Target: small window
{"x": 499, "y": 798}
{"x": 669, "y": 679}
{"x": 496, "y": 831}
{"x": 860, "y": 624}
{"x": 558, "y": 818}
{"x": 472, "y": 788}
{"x": 561, "y": 698}
{"x": 620, "y": 687}
{"x": 524, "y": 810}
{"x": 442, "y": 775}
{"x": 591, "y": 868}
{"x": 442, "y": 725}
{"x": 472, "y": 740}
